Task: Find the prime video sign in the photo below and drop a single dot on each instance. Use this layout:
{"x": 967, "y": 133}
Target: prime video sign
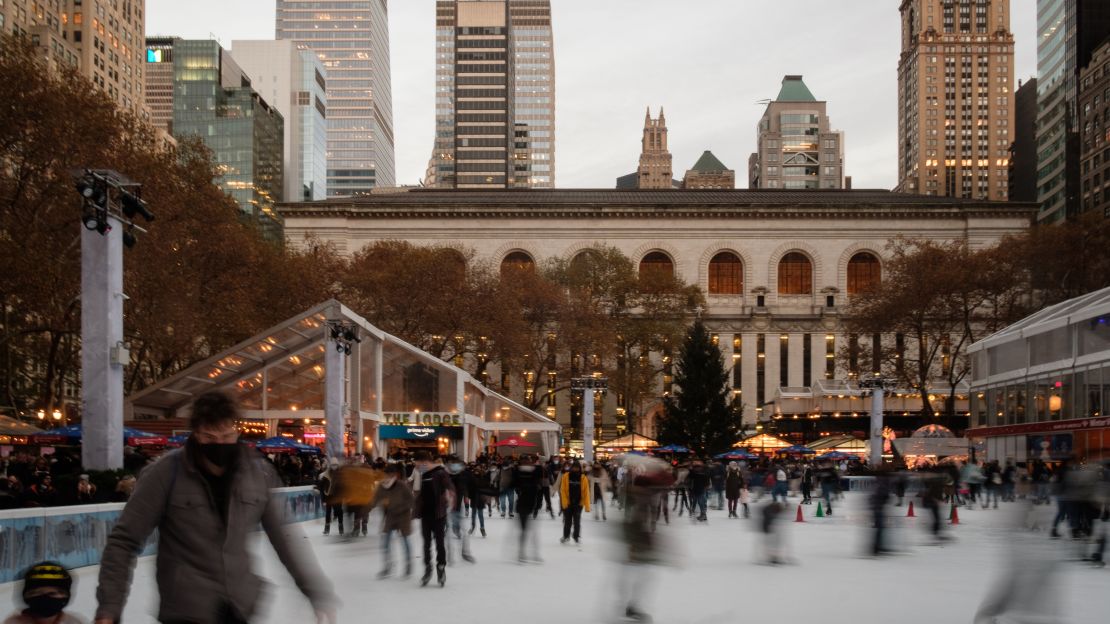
{"x": 403, "y": 432}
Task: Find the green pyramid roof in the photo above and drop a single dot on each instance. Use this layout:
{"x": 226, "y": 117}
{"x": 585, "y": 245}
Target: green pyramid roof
{"x": 794, "y": 90}
{"x": 709, "y": 163}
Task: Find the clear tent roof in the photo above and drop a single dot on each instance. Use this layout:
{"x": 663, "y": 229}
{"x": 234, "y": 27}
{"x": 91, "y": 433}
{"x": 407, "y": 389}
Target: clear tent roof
{"x": 283, "y": 369}
{"x": 1081, "y": 308}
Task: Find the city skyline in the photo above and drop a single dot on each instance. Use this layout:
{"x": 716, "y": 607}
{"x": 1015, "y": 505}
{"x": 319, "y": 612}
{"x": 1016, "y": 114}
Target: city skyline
{"x": 705, "y": 109}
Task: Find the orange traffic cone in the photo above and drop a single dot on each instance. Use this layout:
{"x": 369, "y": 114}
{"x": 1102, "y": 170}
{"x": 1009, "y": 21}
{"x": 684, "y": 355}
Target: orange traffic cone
{"x": 799, "y": 517}
{"x": 910, "y": 514}
{"x": 955, "y": 518}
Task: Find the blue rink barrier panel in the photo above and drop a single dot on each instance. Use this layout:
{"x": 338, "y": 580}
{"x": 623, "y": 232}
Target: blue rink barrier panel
{"x": 75, "y": 536}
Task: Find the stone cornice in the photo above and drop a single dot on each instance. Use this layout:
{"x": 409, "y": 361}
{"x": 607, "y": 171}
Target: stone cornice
{"x": 750, "y": 212}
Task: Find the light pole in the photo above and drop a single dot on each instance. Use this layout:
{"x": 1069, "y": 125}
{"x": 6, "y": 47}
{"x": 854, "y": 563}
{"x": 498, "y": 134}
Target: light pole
{"x": 878, "y": 386}
{"x": 587, "y": 386}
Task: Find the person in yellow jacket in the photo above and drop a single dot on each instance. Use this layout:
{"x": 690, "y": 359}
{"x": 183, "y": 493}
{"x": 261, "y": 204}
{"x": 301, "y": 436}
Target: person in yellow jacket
{"x": 574, "y": 493}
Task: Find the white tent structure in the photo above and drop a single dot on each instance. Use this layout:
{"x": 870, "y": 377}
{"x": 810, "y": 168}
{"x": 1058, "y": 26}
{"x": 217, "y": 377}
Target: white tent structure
{"x": 369, "y": 387}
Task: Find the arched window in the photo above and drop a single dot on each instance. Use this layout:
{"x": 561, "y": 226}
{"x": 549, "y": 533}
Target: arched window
{"x": 517, "y": 261}
{"x": 726, "y": 274}
{"x": 864, "y": 273}
{"x": 657, "y": 263}
{"x": 795, "y": 274}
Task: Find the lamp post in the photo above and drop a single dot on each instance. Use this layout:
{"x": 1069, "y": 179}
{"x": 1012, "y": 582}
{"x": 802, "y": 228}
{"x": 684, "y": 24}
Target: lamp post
{"x": 587, "y": 386}
{"x": 878, "y": 386}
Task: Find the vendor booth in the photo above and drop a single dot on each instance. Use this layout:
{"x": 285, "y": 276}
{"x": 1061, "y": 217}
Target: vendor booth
{"x": 329, "y": 378}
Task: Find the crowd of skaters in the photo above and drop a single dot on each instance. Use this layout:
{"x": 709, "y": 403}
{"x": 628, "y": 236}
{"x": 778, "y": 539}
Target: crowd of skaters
{"x": 449, "y": 500}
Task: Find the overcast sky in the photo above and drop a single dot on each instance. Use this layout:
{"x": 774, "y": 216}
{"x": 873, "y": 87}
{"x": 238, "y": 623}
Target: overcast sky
{"x": 708, "y": 62}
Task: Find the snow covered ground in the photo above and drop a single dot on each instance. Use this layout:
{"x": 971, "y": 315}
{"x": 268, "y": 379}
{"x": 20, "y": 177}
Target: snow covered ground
{"x": 716, "y": 577}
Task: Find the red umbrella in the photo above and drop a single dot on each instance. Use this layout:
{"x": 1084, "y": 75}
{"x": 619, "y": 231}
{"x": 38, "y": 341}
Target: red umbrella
{"x": 515, "y": 442}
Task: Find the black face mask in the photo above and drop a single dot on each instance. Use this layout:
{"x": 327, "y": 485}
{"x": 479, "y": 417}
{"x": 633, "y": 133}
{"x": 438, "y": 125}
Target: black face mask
{"x": 222, "y": 455}
{"x": 45, "y": 606}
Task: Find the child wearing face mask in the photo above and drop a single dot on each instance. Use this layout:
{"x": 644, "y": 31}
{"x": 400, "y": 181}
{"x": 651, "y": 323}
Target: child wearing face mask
{"x": 46, "y": 591}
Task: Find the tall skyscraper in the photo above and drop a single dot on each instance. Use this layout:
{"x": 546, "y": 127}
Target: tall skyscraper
{"x": 105, "y": 41}
{"x": 213, "y": 100}
{"x": 795, "y": 147}
{"x": 534, "y": 87}
{"x": 655, "y": 170}
{"x": 495, "y": 95}
{"x": 1068, "y": 32}
{"x": 158, "y": 81}
{"x": 1023, "y": 151}
{"x": 351, "y": 39}
{"x": 955, "y": 98}
{"x": 1094, "y": 138}
{"x": 292, "y": 79}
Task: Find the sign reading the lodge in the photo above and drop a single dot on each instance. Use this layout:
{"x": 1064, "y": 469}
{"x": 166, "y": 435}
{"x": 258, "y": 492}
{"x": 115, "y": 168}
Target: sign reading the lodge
{"x": 426, "y": 419}
{"x": 421, "y": 426}
{"x": 402, "y": 432}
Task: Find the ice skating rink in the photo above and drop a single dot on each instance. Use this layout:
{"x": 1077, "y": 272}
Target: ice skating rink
{"x": 715, "y": 577}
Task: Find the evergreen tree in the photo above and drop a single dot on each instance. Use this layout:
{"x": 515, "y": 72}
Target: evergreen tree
{"x": 698, "y": 415}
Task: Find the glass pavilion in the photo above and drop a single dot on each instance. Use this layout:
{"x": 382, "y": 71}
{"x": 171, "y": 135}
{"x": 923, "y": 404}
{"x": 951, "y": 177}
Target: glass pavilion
{"x": 383, "y": 395}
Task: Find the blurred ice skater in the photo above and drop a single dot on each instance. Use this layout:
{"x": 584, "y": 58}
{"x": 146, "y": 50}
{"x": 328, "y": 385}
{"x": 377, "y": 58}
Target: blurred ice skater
{"x": 205, "y": 500}
{"x": 527, "y": 479}
{"x": 646, "y": 477}
{"x": 1029, "y": 588}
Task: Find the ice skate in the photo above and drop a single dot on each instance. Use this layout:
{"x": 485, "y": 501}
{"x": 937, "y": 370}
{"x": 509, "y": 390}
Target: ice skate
{"x": 441, "y": 575}
{"x": 424, "y": 580}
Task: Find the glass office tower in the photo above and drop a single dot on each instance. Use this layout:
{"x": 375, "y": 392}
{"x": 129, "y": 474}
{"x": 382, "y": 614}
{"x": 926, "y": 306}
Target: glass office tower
{"x": 351, "y": 39}
{"x": 213, "y": 99}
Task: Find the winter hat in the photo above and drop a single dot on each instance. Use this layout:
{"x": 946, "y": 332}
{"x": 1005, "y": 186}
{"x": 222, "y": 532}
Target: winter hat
{"x": 47, "y": 574}
{"x": 333, "y": 462}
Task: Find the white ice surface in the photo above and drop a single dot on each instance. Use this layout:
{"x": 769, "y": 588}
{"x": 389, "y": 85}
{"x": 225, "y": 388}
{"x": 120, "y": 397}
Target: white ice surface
{"x": 716, "y": 578}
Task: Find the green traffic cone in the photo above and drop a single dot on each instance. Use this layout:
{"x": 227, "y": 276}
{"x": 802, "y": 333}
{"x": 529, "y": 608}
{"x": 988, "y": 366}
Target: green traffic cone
{"x": 820, "y": 514}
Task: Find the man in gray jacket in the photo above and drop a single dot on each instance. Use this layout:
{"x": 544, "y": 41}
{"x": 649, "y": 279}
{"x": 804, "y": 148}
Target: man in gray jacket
{"x": 205, "y": 500}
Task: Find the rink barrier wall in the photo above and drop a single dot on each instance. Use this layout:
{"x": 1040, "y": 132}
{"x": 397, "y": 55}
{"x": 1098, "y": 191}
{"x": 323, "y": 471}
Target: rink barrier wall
{"x": 74, "y": 536}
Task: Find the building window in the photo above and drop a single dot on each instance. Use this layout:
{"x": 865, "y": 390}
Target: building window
{"x": 795, "y": 274}
{"x": 784, "y": 360}
{"x": 518, "y": 261}
{"x": 864, "y": 273}
{"x": 726, "y": 274}
{"x": 656, "y": 264}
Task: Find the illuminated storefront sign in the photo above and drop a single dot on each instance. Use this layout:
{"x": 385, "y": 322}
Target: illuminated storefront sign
{"x": 427, "y": 419}
{"x": 431, "y": 434}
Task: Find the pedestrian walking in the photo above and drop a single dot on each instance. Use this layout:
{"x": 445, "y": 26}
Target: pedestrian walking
{"x": 717, "y": 480}
{"x": 807, "y": 484}
{"x": 206, "y": 500}
{"x": 681, "y": 478}
{"x": 698, "y": 484}
{"x": 827, "y": 477}
{"x": 880, "y": 495}
{"x": 526, "y": 480}
{"x": 774, "y": 551}
{"x": 434, "y": 498}
{"x": 395, "y": 498}
{"x": 734, "y": 482}
{"x": 480, "y": 499}
{"x": 643, "y": 546}
{"x": 574, "y": 492}
{"x": 463, "y": 482}
{"x": 600, "y": 479}
{"x": 507, "y": 499}
{"x": 781, "y": 487}
{"x": 330, "y": 492}
{"x": 547, "y": 479}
